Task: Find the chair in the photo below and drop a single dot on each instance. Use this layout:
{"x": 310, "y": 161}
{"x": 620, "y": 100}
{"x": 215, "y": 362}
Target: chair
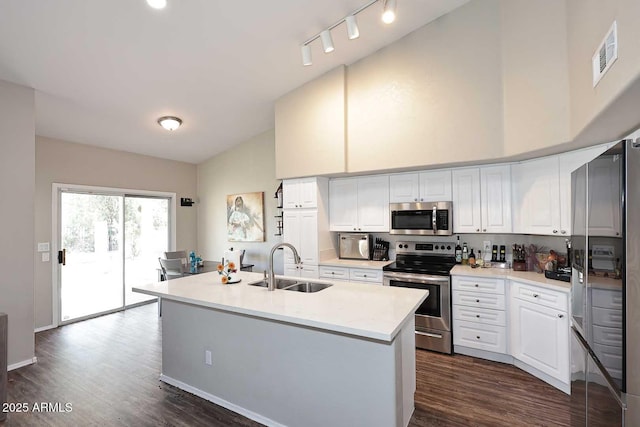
{"x": 182, "y": 255}
{"x": 171, "y": 268}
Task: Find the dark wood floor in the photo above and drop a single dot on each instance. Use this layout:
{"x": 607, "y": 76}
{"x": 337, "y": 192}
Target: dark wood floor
{"x": 107, "y": 369}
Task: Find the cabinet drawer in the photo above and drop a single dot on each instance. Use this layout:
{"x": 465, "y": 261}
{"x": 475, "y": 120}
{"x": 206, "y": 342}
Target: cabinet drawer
{"x": 480, "y": 315}
{"x": 483, "y": 337}
{"x": 365, "y": 275}
{"x": 478, "y": 284}
{"x": 607, "y": 317}
{"x": 340, "y": 273}
{"x": 478, "y": 299}
{"x": 542, "y": 296}
{"x": 611, "y": 358}
{"x": 605, "y": 298}
{"x": 607, "y": 336}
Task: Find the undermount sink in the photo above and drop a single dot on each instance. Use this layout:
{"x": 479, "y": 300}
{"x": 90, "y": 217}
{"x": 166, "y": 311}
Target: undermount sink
{"x": 308, "y": 287}
{"x": 280, "y": 283}
{"x": 294, "y": 285}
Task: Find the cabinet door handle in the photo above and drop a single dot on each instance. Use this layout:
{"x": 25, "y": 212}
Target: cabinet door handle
{"x": 478, "y": 337}
{"x": 478, "y": 316}
{"x": 535, "y": 295}
{"x": 484, "y": 230}
{"x": 563, "y": 232}
{"x": 477, "y": 300}
{"x": 476, "y": 285}
{"x": 477, "y": 230}
{"x": 555, "y": 231}
{"x": 364, "y": 275}
{"x": 560, "y": 316}
{"x": 415, "y": 200}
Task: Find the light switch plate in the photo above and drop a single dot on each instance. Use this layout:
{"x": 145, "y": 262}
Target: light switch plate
{"x": 486, "y": 250}
{"x": 43, "y": 247}
{"x": 45, "y": 256}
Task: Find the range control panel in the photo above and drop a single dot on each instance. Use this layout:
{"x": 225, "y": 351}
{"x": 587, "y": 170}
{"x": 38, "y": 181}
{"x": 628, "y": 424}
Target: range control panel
{"x": 428, "y": 248}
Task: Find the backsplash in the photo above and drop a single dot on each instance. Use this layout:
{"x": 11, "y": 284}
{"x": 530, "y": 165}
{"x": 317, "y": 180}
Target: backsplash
{"x": 475, "y": 241}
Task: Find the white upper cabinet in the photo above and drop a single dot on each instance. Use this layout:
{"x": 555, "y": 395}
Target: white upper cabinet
{"x": 299, "y": 193}
{"x": 536, "y": 197}
{"x": 432, "y": 186}
{"x": 482, "y": 200}
{"x": 542, "y": 192}
{"x": 359, "y": 204}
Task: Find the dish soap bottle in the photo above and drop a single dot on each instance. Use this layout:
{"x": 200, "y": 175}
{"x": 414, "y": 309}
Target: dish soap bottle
{"x": 465, "y": 254}
{"x": 458, "y": 252}
{"x": 479, "y": 260}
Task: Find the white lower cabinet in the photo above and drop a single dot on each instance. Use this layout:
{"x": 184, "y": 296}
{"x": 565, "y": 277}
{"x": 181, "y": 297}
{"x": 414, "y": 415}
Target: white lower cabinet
{"x": 351, "y": 274}
{"x": 306, "y": 271}
{"x": 540, "y": 329}
{"x": 479, "y": 313}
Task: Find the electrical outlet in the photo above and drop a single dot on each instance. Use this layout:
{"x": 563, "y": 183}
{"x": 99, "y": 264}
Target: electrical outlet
{"x": 207, "y": 357}
{"x": 45, "y": 256}
{"x": 486, "y": 246}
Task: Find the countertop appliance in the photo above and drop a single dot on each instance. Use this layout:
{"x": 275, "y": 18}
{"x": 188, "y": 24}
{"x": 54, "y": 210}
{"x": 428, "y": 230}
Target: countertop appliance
{"x": 354, "y": 246}
{"x": 422, "y": 218}
{"x": 426, "y": 266}
{"x": 605, "y": 331}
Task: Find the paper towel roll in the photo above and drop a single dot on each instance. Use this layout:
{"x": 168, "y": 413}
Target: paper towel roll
{"x": 232, "y": 256}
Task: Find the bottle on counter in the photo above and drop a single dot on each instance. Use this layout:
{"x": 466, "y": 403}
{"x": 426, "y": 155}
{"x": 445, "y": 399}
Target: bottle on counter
{"x": 494, "y": 253}
{"x": 479, "y": 260}
{"x": 465, "y": 254}
{"x": 458, "y": 252}
{"x": 503, "y": 253}
{"x": 472, "y": 258}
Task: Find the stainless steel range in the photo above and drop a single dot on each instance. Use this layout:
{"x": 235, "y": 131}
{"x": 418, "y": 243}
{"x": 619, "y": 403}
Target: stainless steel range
{"x": 427, "y": 266}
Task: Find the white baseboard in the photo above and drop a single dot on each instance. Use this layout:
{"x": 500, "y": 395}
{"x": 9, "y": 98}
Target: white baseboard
{"x": 218, "y": 401}
{"x": 22, "y": 363}
{"x": 44, "y": 328}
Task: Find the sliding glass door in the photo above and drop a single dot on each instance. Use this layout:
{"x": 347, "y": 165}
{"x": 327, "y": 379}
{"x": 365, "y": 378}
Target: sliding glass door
{"x": 110, "y": 243}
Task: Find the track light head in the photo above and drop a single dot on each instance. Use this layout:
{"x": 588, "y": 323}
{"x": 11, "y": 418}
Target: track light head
{"x": 352, "y": 27}
{"x": 327, "y": 41}
{"x": 306, "y": 55}
{"x": 389, "y": 11}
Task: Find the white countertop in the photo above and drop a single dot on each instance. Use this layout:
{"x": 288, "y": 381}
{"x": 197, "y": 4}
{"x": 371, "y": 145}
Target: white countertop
{"x": 530, "y": 277}
{"x": 368, "y": 311}
{"x": 354, "y": 263}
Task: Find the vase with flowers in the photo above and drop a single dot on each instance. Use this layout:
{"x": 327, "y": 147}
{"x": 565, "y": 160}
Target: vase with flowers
{"x": 227, "y": 271}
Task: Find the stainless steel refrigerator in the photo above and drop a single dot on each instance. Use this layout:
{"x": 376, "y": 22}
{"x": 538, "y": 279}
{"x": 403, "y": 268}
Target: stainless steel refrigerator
{"x": 605, "y": 289}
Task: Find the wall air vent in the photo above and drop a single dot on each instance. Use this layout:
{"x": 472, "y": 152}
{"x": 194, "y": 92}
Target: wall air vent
{"x": 606, "y": 54}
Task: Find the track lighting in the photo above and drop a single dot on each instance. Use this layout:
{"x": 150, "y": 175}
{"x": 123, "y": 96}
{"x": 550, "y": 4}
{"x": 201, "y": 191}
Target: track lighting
{"x": 388, "y": 16}
{"x": 327, "y": 41}
{"x": 389, "y": 11}
{"x": 306, "y": 55}
{"x": 352, "y": 27}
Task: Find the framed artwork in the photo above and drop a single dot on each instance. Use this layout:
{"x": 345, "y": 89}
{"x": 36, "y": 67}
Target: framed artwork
{"x": 245, "y": 217}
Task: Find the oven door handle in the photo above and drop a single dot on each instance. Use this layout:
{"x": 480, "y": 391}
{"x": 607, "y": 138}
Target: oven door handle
{"x": 417, "y": 278}
{"x": 430, "y": 335}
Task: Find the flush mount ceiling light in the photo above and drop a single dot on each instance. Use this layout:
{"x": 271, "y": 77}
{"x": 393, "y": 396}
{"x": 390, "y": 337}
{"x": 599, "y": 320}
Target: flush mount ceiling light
{"x": 157, "y": 4}
{"x": 388, "y": 16}
{"x": 170, "y": 122}
{"x": 389, "y": 11}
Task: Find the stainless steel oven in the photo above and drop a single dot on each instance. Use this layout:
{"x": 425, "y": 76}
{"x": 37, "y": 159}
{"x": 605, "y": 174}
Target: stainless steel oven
{"x": 427, "y": 266}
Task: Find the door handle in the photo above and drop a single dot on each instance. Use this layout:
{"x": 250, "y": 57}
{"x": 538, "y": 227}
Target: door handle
{"x": 434, "y": 223}
{"x": 62, "y": 257}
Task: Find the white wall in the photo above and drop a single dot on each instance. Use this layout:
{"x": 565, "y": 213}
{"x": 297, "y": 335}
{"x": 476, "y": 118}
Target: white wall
{"x": 17, "y": 187}
{"x": 70, "y": 163}
{"x": 246, "y": 168}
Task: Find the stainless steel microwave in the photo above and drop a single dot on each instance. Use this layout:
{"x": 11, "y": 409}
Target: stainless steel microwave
{"x": 423, "y": 218}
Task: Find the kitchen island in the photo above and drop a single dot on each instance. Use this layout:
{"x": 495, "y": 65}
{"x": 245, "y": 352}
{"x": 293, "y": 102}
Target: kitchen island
{"x": 342, "y": 356}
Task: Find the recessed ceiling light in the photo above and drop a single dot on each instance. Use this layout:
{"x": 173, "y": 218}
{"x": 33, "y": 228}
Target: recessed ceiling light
{"x": 170, "y": 122}
{"x": 157, "y": 4}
